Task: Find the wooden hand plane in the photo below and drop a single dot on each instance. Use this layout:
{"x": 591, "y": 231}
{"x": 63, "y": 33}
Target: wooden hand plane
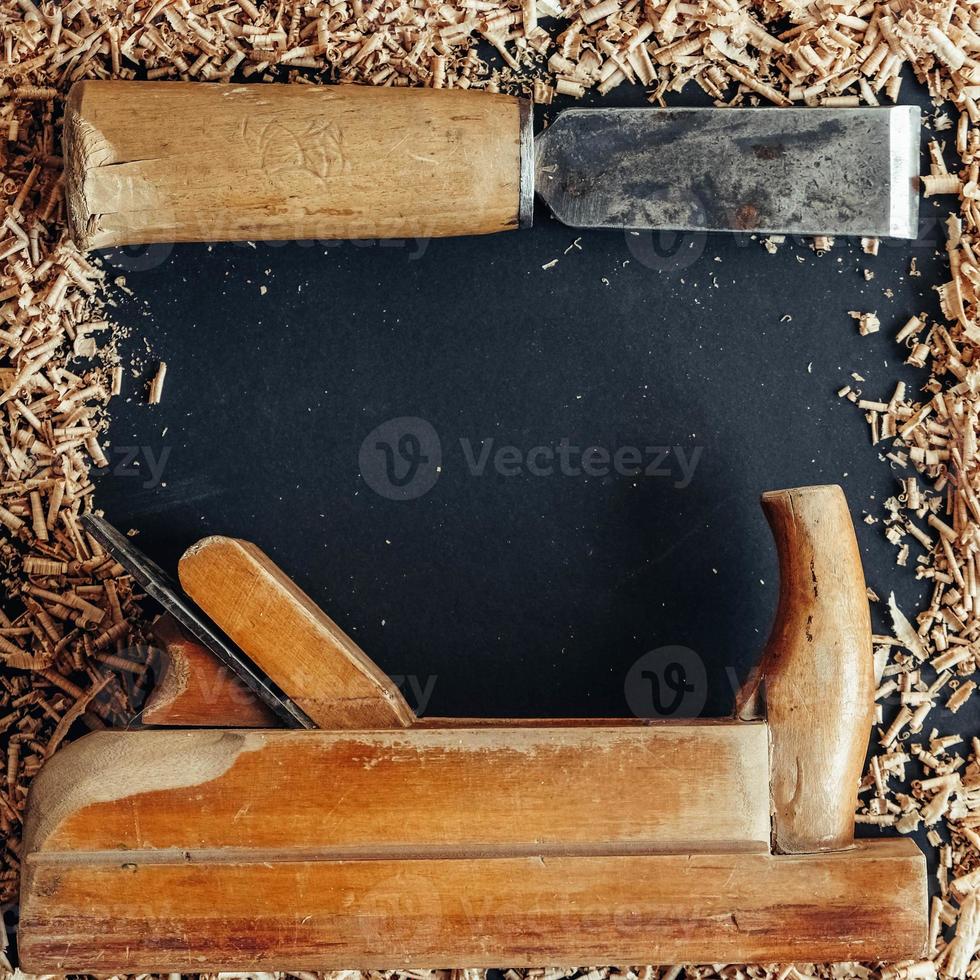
{"x": 381, "y": 840}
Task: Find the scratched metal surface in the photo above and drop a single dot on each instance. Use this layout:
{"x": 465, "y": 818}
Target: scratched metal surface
{"x": 793, "y": 171}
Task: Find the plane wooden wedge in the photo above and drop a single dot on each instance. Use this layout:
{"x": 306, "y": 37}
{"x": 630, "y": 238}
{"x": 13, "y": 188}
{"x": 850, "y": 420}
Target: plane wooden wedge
{"x": 480, "y": 843}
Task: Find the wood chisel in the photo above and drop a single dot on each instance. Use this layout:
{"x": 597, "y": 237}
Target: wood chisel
{"x": 185, "y": 161}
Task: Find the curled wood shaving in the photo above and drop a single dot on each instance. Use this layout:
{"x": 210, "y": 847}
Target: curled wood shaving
{"x": 904, "y": 632}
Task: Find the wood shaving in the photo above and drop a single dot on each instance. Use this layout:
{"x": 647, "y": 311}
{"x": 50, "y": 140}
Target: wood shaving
{"x": 868, "y": 323}
{"x": 156, "y": 385}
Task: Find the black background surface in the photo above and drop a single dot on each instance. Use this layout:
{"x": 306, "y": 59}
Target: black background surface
{"x": 516, "y": 595}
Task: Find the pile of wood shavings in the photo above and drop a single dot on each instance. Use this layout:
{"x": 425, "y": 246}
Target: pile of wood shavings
{"x": 76, "y": 607}
{"x": 930, "y": 436}
{"x": 837, "y": 52}
{"x": 69, "y": 626}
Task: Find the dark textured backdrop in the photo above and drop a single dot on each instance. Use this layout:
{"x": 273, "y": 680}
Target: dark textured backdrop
{"x": 514, "y": 594}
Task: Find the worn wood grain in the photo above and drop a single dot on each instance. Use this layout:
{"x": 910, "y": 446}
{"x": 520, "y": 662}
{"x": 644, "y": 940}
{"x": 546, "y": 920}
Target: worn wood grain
{"x": 194, "y": 689}
{"x": 185, "y": 161}
{"x": 815, "y": 681}
{"x": 673, "y": 787}
{"x": 163, "y": 912}
{"x": 289, "y": 637}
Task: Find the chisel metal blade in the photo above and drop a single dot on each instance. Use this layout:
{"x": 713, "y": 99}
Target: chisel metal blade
{"x": 165, "y": 591}
{"x": 784, "y": 171}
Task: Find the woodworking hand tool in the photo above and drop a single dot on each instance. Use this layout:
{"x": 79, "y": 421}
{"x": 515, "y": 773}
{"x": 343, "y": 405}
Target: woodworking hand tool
{"x": 165, "y": 162}
{"x": 385, "y": 841}
{"x": 167, "y": 593}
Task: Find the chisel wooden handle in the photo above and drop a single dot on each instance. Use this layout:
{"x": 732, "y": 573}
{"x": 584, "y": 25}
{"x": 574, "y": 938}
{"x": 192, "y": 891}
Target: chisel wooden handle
{"x": 185, "y": 161}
